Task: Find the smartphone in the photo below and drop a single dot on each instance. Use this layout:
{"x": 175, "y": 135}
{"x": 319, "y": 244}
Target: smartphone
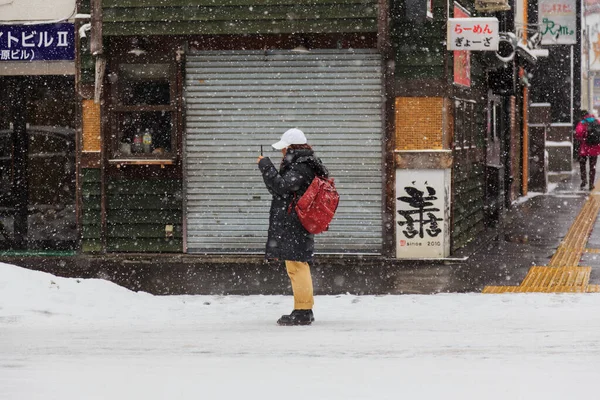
{"x": 261, "y": 150}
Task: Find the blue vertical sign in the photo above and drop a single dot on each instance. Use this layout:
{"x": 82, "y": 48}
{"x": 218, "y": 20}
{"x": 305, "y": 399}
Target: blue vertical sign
{"x": 44, "y": 42}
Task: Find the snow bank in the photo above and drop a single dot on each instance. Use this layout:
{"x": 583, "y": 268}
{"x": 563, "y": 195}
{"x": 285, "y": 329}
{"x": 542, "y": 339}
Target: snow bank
{"x": 27, "y": 294}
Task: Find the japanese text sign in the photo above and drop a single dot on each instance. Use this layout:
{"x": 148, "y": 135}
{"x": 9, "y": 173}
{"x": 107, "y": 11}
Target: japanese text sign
{"x": 558, "y": 21}
{"x": 422, "y": 213}
{"x": 475, "y": 34}
{"x": 37, "y": 42}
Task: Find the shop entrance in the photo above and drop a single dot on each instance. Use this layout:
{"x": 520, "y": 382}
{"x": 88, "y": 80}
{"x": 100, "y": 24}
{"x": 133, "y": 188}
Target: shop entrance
{"x": 37, "y": 163}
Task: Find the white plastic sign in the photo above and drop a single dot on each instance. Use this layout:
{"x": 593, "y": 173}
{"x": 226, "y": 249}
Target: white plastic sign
{"x": 474, "y": 34}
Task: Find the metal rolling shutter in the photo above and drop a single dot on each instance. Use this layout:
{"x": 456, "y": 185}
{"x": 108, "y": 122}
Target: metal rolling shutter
{"x": 238, "y": 100}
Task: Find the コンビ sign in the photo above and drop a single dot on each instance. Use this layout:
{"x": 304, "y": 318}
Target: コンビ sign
{"x": 475, "y": 34}
{"x": 37, "y": 42}
{"x": 557, "y": 21}
{"x": 422, "y": 213}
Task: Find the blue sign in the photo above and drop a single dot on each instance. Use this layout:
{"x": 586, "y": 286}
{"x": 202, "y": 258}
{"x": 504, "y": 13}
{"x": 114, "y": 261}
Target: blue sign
{"x": 44, "y": 42}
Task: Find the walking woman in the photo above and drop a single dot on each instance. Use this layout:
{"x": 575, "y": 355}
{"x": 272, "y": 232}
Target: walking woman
{"x": 287, "y": 239}
{"x": 587, "y": 151}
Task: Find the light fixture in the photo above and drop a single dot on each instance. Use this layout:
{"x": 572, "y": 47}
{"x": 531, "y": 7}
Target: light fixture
{"x": 137, "y": 47}
{"x": 137, "y": 52}
{"x": 300, "y": 49}
{"x": 302, "y": 44}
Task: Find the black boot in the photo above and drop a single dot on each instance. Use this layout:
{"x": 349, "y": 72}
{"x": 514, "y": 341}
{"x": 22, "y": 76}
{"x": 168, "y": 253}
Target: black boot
{"x": 297, "y": 317}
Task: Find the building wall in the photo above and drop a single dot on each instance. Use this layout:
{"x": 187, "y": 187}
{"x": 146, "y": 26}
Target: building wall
{"x": 434, "y": 113}
{"x": 420, "y": 54}
{"x": 200, "y": 17}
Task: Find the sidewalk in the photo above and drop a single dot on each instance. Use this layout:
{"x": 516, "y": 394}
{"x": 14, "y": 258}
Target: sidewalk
{"x": 531, "y": 234}
{"x": 65, "y": 339}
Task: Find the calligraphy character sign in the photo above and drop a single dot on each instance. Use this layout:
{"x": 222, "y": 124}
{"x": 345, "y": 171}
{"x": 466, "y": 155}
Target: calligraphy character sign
{"x": 422, "y": 213}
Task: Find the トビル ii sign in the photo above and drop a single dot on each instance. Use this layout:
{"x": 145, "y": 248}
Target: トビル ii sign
{"x": 50, "y": 42}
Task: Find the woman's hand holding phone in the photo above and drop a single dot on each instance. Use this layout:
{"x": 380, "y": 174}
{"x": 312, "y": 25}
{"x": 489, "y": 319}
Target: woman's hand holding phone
{"x": 261, "y": 155}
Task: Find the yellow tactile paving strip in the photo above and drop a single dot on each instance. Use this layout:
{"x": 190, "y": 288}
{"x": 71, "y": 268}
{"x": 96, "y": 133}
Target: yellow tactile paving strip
{"x": 562, "y": 274}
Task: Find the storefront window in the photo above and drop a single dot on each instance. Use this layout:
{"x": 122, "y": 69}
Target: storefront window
{"x": 144, "y": 84}
{"x": 144, "y": 114}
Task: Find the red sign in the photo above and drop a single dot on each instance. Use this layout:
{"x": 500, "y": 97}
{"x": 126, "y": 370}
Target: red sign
{"x": 462, "y": 58}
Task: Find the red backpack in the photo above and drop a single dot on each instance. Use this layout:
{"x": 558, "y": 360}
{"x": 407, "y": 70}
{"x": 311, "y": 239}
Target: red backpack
{"x": 317, "y": 205}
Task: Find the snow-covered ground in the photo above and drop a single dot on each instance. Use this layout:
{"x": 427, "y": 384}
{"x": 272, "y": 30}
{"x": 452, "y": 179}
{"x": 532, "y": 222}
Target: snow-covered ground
{"x": 90, "y": 339}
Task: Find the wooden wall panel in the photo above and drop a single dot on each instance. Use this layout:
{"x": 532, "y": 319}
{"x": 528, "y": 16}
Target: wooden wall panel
{"x": 205, "y": 17}
{"x": 138, "y": 212}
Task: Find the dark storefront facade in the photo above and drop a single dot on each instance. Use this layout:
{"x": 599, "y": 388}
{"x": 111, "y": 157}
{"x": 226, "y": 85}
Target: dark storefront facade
{"x": 37, "y": 134}
{"x": 185, "y": 105}
{"x": 184, "y": 112}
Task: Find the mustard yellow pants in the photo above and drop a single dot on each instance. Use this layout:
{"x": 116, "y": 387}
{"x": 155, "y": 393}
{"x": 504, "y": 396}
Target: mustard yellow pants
{"x": 299, "y": 273}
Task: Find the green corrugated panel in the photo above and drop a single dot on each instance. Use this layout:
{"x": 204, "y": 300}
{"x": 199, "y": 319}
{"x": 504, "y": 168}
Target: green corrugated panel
{"x": 143, "y": 202}
{"x": 90, "y": 189}
{"x": 419, "y": 48}
{"x": 139, "y": 187}
{"x": 91, "y": 231}
{"x": 87, "y": 67}
{"x": 91, "y": 217}
{"x": 138, "y": 213}
{"x": 37, "y": 253}
{"x": 239, "y": 28}
{"x": 160, "y": 217}
{"x": 91, "y": 201}
{"x": 84, "y": 7}
{"x": 257, "y": 13}
{"x": 223, "y": 3}
{"x": 90, "y": 174}
{"x": 86, "y": 61}
{"x": 91, "y": 246}
{"x": 204, "y": 17}
{"x": 135, "y": 231}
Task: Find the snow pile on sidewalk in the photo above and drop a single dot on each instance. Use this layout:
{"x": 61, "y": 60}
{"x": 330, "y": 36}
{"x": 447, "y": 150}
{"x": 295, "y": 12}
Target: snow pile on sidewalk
{"x": 90, "y": 339}
{"x": 28, "y": 294}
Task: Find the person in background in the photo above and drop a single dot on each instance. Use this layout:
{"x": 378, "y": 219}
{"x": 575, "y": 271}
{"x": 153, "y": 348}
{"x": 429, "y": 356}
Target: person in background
{"x": 287, "y": 239}
{"x": 586, "y": 151}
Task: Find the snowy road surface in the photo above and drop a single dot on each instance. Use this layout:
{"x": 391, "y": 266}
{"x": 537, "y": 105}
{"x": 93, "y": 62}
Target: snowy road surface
{"x": 90, "y": 339}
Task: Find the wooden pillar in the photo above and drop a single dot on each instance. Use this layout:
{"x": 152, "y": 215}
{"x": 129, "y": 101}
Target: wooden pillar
{"x": 525, "y": 154}
{"x": 384, "y": 45}
{"x": 20, "y": 139}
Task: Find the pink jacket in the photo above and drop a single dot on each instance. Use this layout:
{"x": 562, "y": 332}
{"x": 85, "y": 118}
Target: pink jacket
{"x": 580, "y": 134}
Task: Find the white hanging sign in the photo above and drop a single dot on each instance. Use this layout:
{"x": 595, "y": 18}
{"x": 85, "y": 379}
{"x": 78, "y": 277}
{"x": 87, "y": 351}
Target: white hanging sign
{"x": 474, "y": 34}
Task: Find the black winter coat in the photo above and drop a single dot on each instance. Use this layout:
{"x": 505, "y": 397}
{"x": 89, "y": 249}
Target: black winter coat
{"x": 287, "y": 239}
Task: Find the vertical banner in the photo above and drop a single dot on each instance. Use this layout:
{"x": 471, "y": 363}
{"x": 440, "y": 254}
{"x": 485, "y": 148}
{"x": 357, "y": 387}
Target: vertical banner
{"x": 557, "y": 21}
{"x": 462, "y": 58}
{"x": 422, "y": 213}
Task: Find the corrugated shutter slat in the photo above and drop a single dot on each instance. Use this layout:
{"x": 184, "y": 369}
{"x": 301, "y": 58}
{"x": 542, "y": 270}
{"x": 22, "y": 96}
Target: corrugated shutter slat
{"x": 239, "y": 100}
